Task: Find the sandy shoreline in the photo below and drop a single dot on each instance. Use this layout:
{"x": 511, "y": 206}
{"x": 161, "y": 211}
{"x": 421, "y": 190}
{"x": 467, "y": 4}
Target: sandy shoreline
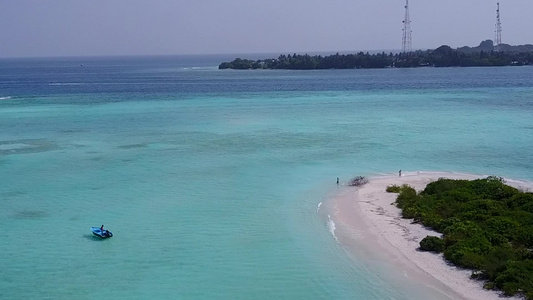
{"x": 365, "y": 216}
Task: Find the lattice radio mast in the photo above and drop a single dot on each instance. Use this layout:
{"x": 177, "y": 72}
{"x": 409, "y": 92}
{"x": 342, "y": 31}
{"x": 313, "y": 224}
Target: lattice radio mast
{"x": 406, "y": 39}
{"x": 498, "y": 30}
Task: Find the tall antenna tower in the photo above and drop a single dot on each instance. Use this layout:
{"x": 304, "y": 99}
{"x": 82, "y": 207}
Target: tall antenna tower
{"x": 498, "y": 30}
{"x": 406, "y": 38}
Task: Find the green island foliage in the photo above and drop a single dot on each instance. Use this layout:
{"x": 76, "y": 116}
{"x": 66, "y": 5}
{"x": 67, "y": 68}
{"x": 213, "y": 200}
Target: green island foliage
{"x": 444, "y": 56}
{"x": 487, "y": 226}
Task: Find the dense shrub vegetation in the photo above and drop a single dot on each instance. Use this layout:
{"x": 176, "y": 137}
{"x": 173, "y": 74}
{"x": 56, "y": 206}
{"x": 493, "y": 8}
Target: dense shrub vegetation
{"x": 487, "y": 226}
{"x": 432, "y": 243}
{"x": 396, "y": 188}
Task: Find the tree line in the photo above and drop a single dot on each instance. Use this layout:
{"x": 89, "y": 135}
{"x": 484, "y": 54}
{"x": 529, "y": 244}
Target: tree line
{"x": 486, "y": 226}
{"x": 444, "y": 56}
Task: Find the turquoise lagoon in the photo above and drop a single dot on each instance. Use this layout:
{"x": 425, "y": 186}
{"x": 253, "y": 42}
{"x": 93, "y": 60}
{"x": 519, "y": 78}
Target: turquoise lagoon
{"x": 210, "y": 179}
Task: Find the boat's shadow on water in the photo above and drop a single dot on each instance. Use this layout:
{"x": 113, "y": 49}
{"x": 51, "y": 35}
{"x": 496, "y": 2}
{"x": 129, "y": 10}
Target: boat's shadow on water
{"x": 92, "y": 237}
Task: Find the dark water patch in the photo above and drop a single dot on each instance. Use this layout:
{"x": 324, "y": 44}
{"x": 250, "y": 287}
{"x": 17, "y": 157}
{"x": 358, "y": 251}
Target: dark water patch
{"x": 10, "y": 194}
{"x": 72, "y": 131}
{"x": 133, "y": 146}
{"x": 74, "y": 218}
{"x": 273, "y": 140}
{"x": 151, "y": 146}
{"x": 77, "y": 146}
{"x": 26, "y": 146}
{"x": 93, "y": 152}
{"x": 30, "y": 214}
{"x": 97, "y": 158}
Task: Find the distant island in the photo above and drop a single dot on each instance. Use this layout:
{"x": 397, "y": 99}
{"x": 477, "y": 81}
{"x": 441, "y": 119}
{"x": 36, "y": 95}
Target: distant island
{"x": 444, "y": 56}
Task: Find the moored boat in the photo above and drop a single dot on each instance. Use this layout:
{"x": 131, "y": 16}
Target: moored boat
{"x": 103, "y": 234}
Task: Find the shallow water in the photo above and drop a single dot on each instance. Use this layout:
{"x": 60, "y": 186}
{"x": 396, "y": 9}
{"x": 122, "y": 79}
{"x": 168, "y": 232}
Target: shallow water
{"x": 210, "y": 180}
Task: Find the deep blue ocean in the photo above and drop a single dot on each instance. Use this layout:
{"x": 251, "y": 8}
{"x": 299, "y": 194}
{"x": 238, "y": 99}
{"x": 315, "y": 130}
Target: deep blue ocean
{"x": 210, "y": 179}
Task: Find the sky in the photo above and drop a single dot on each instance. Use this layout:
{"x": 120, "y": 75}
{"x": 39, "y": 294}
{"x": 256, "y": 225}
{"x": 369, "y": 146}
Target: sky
{"x": 39, "y": 28}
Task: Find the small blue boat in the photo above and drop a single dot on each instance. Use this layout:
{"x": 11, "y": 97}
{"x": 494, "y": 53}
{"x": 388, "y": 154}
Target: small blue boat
{"x": 105, "y": 234}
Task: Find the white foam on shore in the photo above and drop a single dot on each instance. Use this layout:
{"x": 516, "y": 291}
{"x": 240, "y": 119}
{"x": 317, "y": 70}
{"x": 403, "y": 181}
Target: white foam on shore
{"x": 332, "y": 227}
{"x": 368, "y": 224}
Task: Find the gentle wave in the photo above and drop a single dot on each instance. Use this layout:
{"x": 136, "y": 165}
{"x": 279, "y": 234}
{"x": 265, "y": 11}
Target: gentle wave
{"x": 318, "y": 207}
{"x": 5, "y": 98}
{"x": 200, "y": 68}
{"x": 64, "y": 83}
{"x": 121, "y": 83}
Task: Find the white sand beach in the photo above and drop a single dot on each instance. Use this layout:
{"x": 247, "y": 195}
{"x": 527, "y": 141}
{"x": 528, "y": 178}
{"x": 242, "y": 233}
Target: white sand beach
{"x": 365, "y": 216}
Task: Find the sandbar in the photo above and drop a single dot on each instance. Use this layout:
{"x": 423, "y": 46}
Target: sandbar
{"x": 368, "y": 224}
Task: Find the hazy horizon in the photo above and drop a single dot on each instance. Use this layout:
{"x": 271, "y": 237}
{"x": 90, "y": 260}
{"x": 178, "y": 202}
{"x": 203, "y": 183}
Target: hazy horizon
{"x": 56, "y": 28}
{"x": 248, "y": 55}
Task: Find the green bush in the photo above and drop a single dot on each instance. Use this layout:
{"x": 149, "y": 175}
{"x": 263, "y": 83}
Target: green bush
{"x": 529, "y": 296}
{"x": 472, "y": 260}
{"x": 406, "y": 197}
{"x": 524, "y": 236}
{"x": 487, "y": 226}
{"x": 432, "y": 243}
{"x": 527, "y": 207}
{"x": 393, "y": 189}
{"x": 510, "y": 288}
{"x": 454, "y": 254}
{"x": 497, "y": 261}
{"x": 460, "y": 231}
{"x": 445, "y": 223}
{"x": 519, "y": 200}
